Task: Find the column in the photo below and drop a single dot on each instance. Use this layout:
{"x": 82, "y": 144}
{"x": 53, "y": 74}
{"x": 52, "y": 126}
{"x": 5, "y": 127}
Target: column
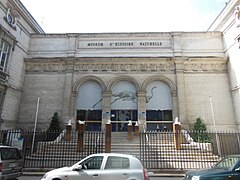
{"x": 106, "y": 110}
{"x": 175, "y": 105}
{"x": 68, "y": 112}
{"x": 142, "y": 109}
{"x": 182, "y": 110}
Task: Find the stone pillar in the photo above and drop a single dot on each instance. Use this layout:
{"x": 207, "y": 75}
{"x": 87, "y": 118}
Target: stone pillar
{"x": 137, "y": 131}
{"x": 177, "y": 130}
{"x": 106, "y": 110}
{"x": 80, "y": 139}
{"x": 108, "y": 133}
{"x": 142, "y": 110}
{"x": 130, "y": 136}
{"x": 182, "y": 110}
{"x": 68, "y": 132}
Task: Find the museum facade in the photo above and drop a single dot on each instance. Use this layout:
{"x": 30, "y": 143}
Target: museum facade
{"x": 147, "y": 78}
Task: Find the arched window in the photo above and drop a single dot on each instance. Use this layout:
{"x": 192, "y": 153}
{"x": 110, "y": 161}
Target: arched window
{"x": 159, "y": 105}
{"x": 123, "y": 105}
{"x": 89, "y": 105}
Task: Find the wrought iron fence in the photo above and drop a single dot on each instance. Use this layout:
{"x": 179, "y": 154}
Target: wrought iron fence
{"x": 44, "y": 149}
{"x": 198, "y": 149}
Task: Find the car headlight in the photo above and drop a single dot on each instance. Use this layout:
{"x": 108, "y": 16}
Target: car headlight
{"x": 45, "y": 176}
{"x": 195, "y": 177}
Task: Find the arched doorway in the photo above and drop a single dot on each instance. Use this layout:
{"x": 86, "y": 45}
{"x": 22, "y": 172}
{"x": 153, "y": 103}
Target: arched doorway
{"x": 123, "y": 105}
{"x": 159, "y": 106}
{"x": 89, "y": 105}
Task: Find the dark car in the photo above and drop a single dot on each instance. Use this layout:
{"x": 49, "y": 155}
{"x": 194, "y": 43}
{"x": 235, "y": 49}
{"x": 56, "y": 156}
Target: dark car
{"x": 227, "y": 168}
{"x": 11, "y": 162}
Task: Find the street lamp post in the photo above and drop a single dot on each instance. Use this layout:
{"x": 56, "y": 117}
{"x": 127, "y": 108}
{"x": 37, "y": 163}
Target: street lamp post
{"x": 35, "y": 124}
{"x": 214, "y": 124}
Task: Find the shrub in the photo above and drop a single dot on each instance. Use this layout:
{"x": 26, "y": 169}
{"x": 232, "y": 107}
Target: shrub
{"x": 55, "y": 124}
{"x": 200, "y": 131}
{"x": 54, "y": 129}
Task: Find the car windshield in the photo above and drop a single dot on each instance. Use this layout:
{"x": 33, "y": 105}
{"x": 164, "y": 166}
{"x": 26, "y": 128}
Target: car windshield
{"x": 227, "y": 162}
{"x": 10, "y": 154}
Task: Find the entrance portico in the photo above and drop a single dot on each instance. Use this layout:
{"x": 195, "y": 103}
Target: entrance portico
{"x": 150, "y": 104}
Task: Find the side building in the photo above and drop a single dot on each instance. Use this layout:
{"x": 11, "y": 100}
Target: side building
{"x": 228, "y": 22}
{"x": 16, "y": 26}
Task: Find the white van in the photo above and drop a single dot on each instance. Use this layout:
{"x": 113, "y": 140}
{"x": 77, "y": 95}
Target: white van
{"x": 11, "y": 162}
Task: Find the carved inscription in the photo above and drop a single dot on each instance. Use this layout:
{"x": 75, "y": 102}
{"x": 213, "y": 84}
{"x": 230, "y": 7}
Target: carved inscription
{"x": 125, "y": 44}
{"x": 94, "y": 44}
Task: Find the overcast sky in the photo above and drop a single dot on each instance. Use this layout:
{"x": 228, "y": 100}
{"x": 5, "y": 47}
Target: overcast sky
{"x": 97, "y": 16}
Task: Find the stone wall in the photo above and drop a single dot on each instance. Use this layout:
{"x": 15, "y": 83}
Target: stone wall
{"x": 192, "y": 80}
{"x": 227, "y": 24}
{"x": 17, "y": 35}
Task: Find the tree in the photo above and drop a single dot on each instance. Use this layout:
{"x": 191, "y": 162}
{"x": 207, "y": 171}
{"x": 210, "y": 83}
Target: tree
{"x": 200, "y": 131}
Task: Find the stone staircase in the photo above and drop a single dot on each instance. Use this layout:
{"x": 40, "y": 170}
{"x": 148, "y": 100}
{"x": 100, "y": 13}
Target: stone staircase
{"x": 121, "y": 144}
{"x": 157, "y": 152}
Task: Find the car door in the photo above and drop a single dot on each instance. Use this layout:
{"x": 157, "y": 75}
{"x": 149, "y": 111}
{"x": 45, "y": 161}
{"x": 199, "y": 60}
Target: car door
{"x": 234, "y": 176}
{"x": 116, "y": 168}
{"x": 235, "y": 173}
{"x": 91, "y": 169}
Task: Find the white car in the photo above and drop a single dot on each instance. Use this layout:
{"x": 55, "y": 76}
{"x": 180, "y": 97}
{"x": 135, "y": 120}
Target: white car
{"x": 104, "y": 166}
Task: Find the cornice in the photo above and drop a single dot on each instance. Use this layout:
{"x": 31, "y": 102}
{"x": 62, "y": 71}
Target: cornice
{"x": 224, "y": 15}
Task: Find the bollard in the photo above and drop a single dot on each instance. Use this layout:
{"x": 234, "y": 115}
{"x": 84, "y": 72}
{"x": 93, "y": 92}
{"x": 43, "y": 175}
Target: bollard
{"x": 80, "y": 139}
{"x": 108, "y": 133}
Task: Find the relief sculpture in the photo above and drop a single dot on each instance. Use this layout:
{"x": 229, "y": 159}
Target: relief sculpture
{"x": 125, "y": 96}
{"x": 237, "y": 15}
{"x": 148, "y": 98}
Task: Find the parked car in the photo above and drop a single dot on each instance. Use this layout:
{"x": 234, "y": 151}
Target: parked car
{"x": 227, "y": 168}
{"x": 11, "y": 162}
{"x": 103, "y": 166}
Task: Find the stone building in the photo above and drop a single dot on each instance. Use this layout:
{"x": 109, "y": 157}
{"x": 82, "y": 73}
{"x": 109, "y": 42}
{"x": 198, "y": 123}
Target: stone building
{"x": 16, "y": 27}
{"x": 228, "y": 23}
{"x": 148, "y": 78}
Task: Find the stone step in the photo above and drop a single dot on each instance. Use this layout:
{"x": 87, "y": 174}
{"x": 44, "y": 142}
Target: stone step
{"x": 161, "y": 149}
{"x": 162, "y": 158}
